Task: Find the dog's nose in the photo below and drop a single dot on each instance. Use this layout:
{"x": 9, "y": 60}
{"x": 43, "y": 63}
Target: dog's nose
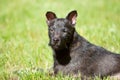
{"x": 55, "y": 39}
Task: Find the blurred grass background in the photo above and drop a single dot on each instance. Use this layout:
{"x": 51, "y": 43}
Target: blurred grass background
{"x": 24, "y": 38}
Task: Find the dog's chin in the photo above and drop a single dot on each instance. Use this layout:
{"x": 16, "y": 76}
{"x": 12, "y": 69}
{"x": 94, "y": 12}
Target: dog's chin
{"x": 57, "y": 47}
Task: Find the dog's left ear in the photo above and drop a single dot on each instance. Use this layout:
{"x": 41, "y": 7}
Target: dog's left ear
{"x": 72, "y": 17}
{"x": 50, "y": 16}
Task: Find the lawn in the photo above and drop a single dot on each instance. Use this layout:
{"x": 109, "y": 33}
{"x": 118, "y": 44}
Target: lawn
{"x": 24, "y": 50}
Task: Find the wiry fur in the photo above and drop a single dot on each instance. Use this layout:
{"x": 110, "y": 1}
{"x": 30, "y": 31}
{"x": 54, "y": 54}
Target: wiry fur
{"x": 73, "y": 54}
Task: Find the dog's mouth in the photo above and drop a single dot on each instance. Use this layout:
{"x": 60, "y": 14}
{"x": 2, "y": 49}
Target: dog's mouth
{"x": 55, "y": 46}
{"x": 58, "y": 46}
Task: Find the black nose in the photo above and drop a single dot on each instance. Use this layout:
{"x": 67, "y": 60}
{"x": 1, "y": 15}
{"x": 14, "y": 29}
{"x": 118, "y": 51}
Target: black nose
{"x": 55, "y": 39}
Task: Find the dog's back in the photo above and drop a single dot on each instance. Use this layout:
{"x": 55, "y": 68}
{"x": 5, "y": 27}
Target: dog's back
{"x": 73, "y": 54}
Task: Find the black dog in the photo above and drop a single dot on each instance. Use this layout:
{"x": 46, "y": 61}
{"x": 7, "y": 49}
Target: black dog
{"x": 73, "y": 54}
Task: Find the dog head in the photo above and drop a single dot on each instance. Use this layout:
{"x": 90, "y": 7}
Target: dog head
{"x": 61, "y": 30}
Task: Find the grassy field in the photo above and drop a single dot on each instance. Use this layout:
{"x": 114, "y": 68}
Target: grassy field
{"x": 24, "y": 39}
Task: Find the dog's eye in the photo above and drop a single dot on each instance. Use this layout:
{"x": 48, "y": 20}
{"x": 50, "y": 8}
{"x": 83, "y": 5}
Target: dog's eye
{"x": 64, "y": 30}
{"x": 51, "y": 30}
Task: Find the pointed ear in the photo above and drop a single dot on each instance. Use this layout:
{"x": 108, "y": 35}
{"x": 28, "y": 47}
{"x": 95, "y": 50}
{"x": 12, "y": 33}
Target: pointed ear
{"x": 50, "y": 16}
{"x": 72, "y": 17}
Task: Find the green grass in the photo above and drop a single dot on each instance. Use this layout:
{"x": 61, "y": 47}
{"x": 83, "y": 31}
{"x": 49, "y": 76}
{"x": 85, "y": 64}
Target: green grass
{"x": 24, "y": 38}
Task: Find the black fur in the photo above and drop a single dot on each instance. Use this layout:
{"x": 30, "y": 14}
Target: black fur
{"x": 73, "y": 54}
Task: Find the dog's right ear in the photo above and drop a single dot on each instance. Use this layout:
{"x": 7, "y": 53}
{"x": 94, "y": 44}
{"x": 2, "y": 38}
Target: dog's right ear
{"x": 50, "y": 16}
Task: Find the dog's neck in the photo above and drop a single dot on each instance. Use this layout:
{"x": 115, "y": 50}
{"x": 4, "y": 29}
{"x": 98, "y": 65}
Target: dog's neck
{"x": 62, "y": 56}
{"x": 76, "y": 42}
